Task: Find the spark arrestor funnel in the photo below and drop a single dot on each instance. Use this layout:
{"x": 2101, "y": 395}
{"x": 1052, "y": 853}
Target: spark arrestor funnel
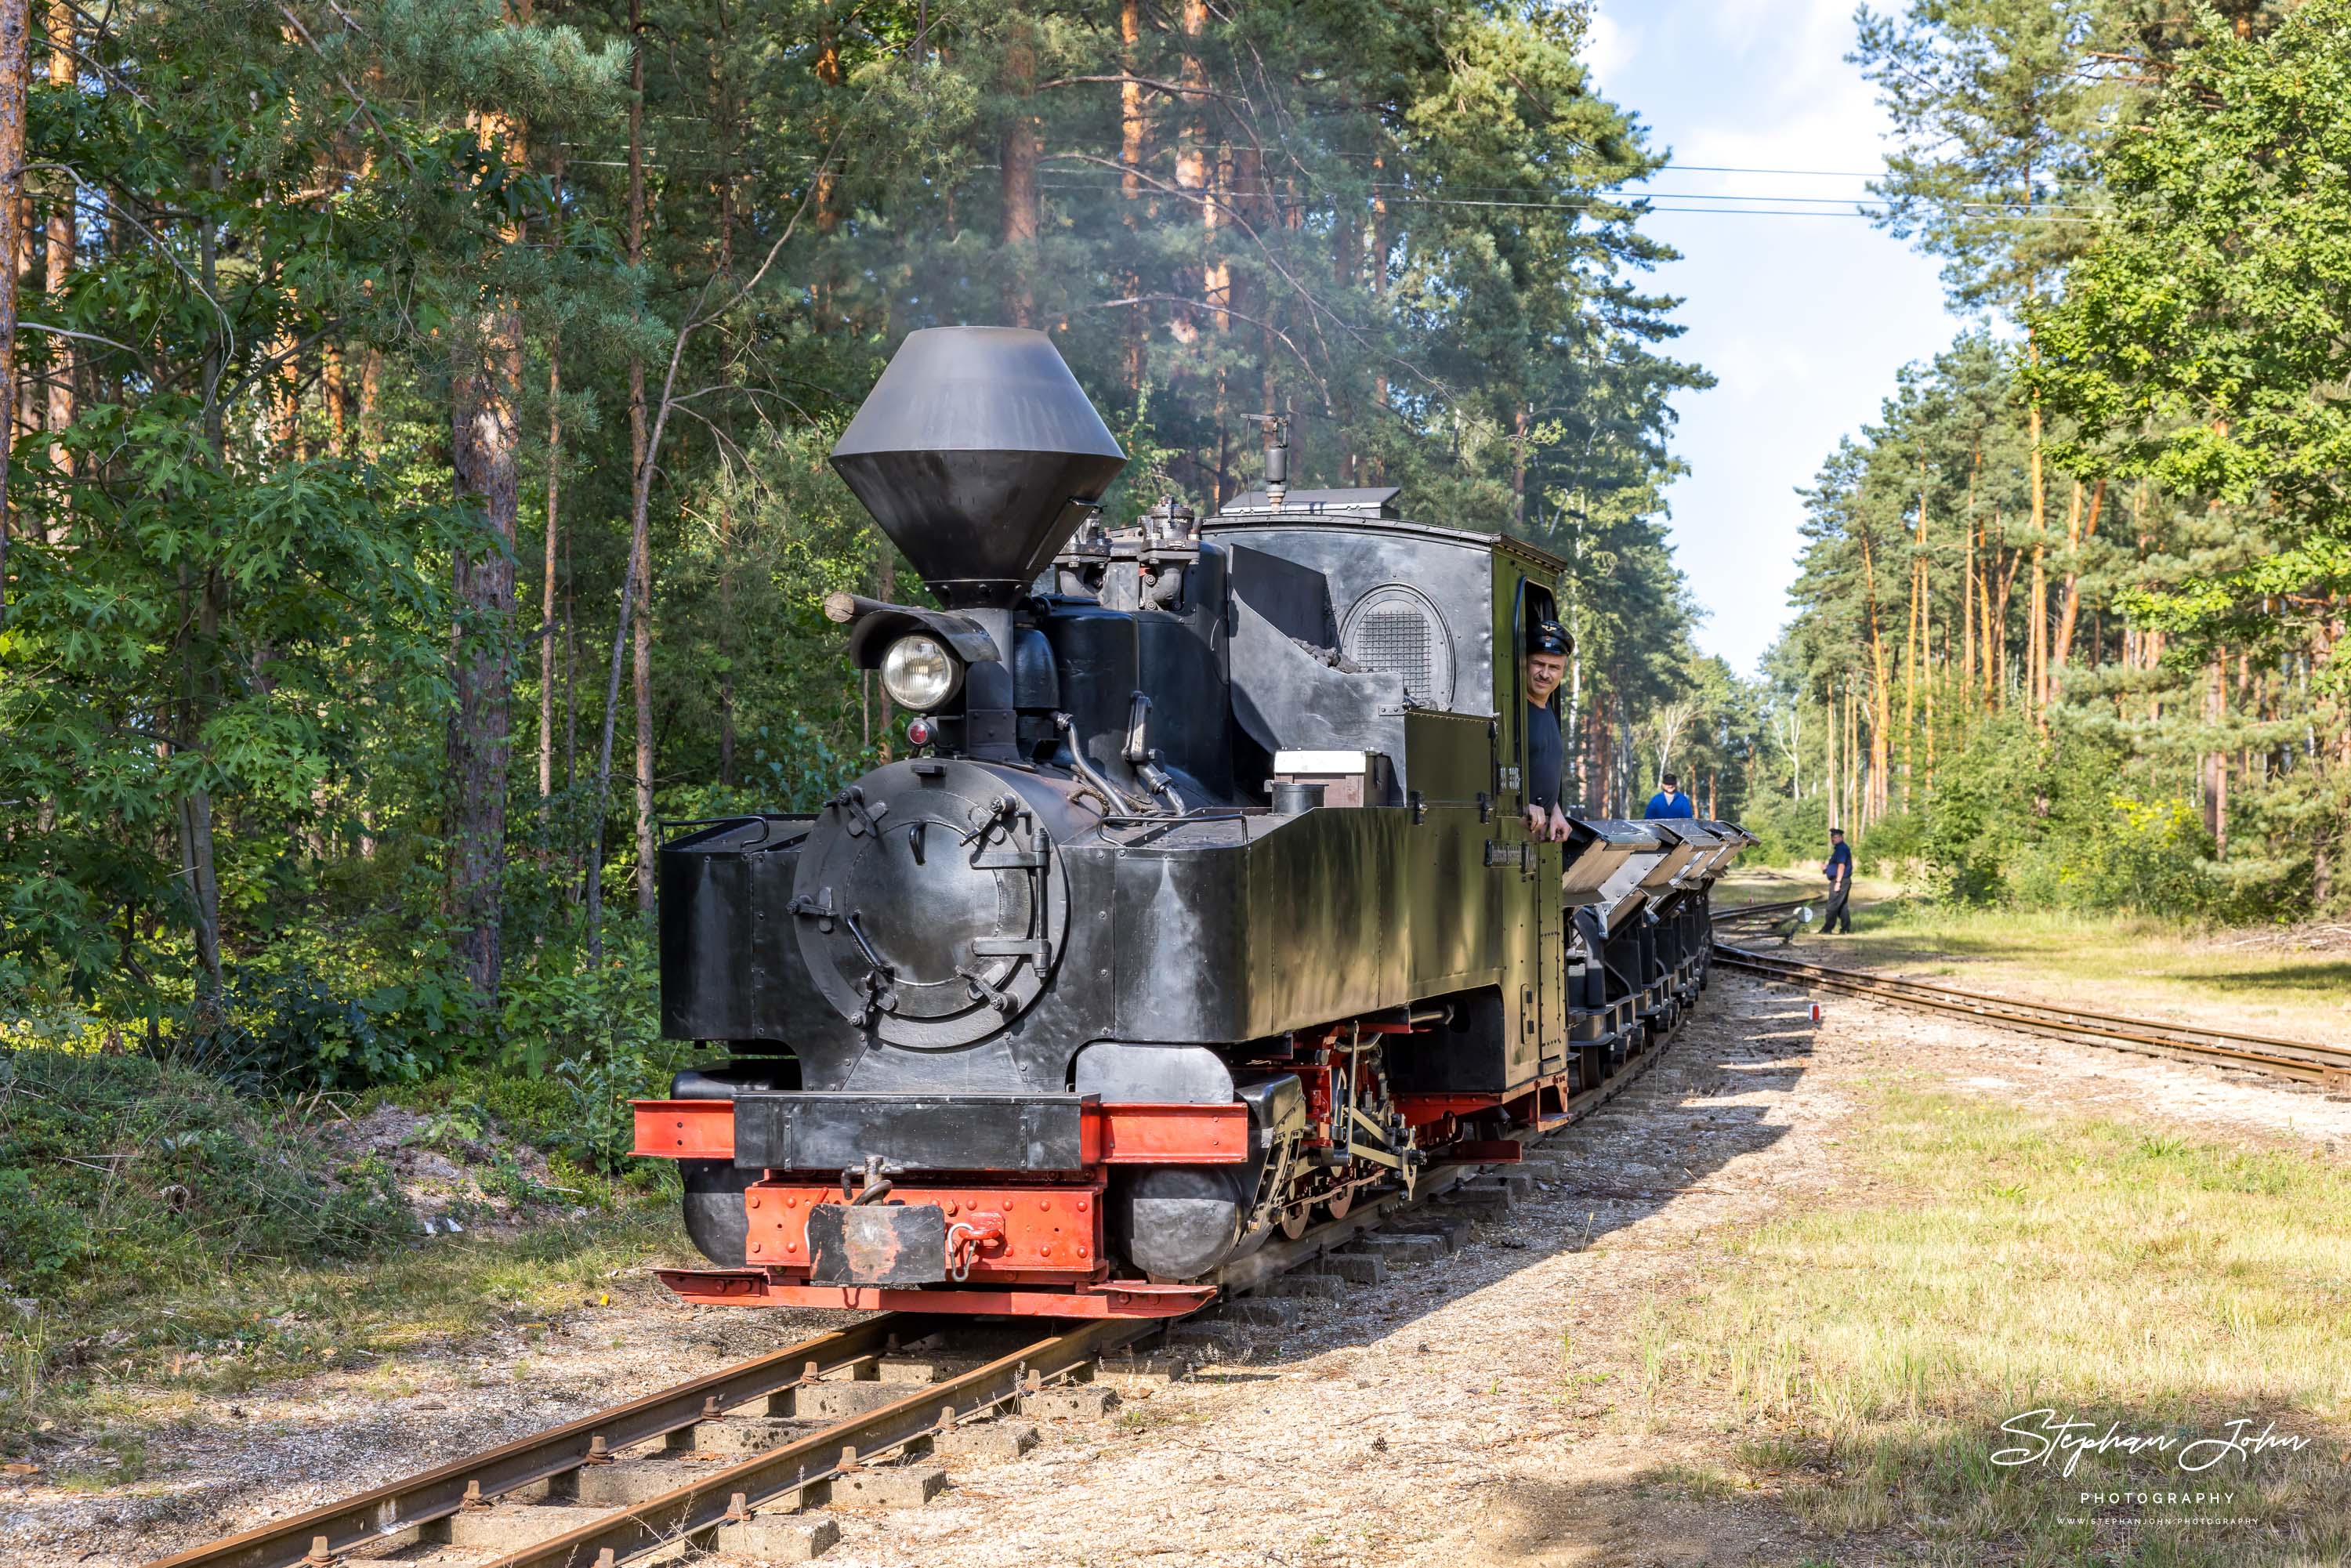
{"x": 974, "y": 451}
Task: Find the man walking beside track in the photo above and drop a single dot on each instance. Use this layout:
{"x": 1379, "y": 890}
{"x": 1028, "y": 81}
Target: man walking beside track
{"x": 1839, "y": 871}
{"x": 1670, "y": 801}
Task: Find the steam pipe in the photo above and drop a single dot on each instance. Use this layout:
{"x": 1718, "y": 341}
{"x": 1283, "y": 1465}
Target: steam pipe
{"x": 1112, "y": 796}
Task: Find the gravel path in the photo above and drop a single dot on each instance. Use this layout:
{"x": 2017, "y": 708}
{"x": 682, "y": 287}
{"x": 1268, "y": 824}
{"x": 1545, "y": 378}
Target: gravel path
{"x": 1471, "y": 1410}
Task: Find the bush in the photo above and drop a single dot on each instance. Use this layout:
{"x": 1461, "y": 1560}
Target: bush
{"x": 1791, "y": 830}
{"x": 294, "y": 1030}
{"x": 118, "y": 1172}
{"x": 582, "y": 1040}
{"x": 2150, "y": 857}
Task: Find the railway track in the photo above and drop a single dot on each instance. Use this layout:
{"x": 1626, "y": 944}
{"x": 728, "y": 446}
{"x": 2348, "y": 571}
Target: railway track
{"x": 735, "y": 1461}
{"x": 1758, "y": 911}
{"x": 2328, "y": 1065}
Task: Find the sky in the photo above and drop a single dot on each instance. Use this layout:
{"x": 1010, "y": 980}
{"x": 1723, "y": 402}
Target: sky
{"x": 1803, "y": 320}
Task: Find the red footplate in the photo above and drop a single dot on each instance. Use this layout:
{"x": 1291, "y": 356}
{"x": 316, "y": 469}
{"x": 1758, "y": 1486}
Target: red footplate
{"x": 1098, "y": 1298}
{"x": 1030, "y": 1250}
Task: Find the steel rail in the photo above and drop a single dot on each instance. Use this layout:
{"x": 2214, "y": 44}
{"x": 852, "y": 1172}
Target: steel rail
{"x": 436, "y": 1493}
{"x": 790, "y": 1469}
{"x": 1757, "y": 911}
{"x": 783, "y": 1473}
{"x": 2295, "y": 1059}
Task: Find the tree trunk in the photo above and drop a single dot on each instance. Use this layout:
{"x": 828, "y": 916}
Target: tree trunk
{"x": 14, "y": 64}
{"x": 639, "y": 541}
{"x": 547, "y": 586}
{"x": 370, "y": 421}
{"x": 1217, "y": 274}
{"x": 1133, "y": 153}
{"x": 63, "y": 360}
{"x": 1191, "y": 153}
{"x": 29, "y": 273}
{"x": 1997, "y": 632}
{"x": 1016, "y": 147}
{"x": 484, "y": 441}
{"x": 196, "y": 815}
{"x": 1914, "y": 644}
{"x": 1833, "y": 734}
{"x": 1967, "y": 618}
{"x": 548, "y": 559}
{"x": 1881, "y": 686}
{"x": 2036, "y": 643}
{"x": 2036, "y": 673}
{"x": 571, "y": 675}
{"x": 335, "y": 389}
{"x": 1968, "y": 590}
{"x": 2070, "y": 602}
{"x": 2215, "y": 761}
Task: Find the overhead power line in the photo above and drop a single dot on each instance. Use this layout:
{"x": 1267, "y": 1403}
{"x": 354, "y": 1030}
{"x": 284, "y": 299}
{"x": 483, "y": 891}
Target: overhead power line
{"x": 1824, "y": 173}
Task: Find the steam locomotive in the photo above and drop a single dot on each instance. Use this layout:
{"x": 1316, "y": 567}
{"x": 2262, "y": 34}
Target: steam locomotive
{"x": 1204, "y": 909}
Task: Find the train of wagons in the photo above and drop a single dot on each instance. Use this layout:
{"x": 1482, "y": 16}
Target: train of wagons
{"x": 1203, "y": 908}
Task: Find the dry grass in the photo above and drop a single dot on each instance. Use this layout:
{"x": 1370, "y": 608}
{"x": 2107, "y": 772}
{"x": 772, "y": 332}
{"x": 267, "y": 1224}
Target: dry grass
{"x": 2005, "y": 1262}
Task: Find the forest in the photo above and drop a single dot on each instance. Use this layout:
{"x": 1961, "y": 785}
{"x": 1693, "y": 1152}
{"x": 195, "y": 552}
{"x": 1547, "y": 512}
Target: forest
{"x": 2069, "y": 623}
{"x": 417, "y": 494}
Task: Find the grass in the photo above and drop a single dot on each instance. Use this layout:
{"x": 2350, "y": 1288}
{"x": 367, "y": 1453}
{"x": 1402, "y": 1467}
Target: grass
{"x": 2009, "y": 1261}
{"x": 158, "y": 1351}
{"x": 163, "y": 1238}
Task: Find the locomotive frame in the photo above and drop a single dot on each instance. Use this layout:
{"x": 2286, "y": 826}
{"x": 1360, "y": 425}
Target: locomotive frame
{"x": 1209, "y": 909}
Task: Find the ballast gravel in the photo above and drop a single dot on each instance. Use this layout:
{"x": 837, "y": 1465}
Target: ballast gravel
{"x": 1464, "y": 1410}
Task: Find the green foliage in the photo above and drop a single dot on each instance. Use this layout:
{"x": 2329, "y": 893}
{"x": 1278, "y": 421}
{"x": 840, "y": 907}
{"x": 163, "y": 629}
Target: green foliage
{"x": 2102, "y": 810}
{"x": 232, "y": 589}
{"x": 293, "y": 1031}
{"x": 1999, "y": 122}
{"x": 1793, "y": 831}
{"x": 2198, "y": 342}
{"x": 122, "y": 1175}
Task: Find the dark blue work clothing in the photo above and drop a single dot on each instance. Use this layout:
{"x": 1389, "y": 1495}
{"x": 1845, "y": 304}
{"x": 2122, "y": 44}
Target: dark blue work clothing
{"x": 1675, "y": 805}
{"x": 1546, "y": 759}
{"x": 1839, "y": 871}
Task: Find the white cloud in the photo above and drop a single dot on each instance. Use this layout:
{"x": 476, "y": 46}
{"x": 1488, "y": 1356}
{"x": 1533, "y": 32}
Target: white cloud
{"x": 1608, "y": 45}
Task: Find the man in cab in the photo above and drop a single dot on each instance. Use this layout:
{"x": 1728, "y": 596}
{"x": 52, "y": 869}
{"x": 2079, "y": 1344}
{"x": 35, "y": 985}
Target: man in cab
{"x": 1547, "y": 649}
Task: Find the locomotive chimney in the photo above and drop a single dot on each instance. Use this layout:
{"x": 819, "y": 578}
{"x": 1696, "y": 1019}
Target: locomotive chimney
{"x": 979, "y": 455}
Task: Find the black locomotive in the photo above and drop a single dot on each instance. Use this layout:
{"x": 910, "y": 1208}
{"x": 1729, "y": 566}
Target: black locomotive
{"x": 1204, "y": 907}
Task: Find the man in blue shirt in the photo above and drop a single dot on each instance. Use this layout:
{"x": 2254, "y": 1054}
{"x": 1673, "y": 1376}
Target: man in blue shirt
{"x": 1839, "y": 871}
{"x": 1670, "y": 801}
{"x": 1548, "y": 645}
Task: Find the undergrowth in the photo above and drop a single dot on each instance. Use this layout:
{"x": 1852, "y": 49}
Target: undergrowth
{"x": 165, "y": 1235}
{"x": 123, "y": 1173}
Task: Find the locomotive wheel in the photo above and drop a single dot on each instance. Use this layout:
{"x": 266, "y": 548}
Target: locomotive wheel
{"x": 1338, "y": 1207}
{"x": 1294, "y": 1223}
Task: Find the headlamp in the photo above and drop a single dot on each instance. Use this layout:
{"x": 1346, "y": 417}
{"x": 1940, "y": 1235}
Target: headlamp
{"x": 919, "y": 672}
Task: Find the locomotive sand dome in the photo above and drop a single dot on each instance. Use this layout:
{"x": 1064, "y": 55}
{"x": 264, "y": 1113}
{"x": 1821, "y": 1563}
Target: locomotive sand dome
{"x": 1207, "y": 910}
